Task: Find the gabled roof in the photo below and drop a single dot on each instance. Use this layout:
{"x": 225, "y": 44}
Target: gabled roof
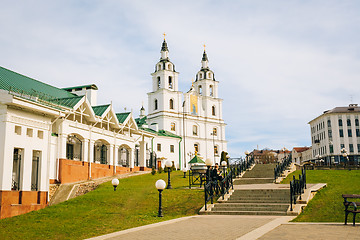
{"x": 99, "y": 110}
{"x": 196, "y": 159}
{"x": 301, "y": 149}
{"x": 12, "y": 81}
{"x": 69, "y": 102}
{"x": 140, "y": 121}
{"x": 122, "y": 116}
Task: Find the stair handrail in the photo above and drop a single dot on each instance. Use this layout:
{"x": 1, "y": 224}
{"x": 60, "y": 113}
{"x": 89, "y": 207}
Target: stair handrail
{"x": 281, "y": 167}
{"x": 297, "y": 187}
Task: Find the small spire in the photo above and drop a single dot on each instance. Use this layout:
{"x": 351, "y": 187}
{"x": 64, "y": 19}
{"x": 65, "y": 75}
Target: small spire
{"x": 205, "y": 58}
{"x": 164, "y": 45}
{"x": 164, "y": 35}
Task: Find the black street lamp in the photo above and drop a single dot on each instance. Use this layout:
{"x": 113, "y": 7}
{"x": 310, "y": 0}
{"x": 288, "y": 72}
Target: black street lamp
{"x": 209, "y": 162}
{"x": 115, "y": 183}
{"x": 160, "y": 185}
{"x": 184, "y": 171}
{"x": 168, "y": 164}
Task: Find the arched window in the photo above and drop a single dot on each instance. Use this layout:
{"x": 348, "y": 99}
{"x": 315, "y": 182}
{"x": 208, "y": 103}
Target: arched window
{"x": 171, "y": 103}
{"x": 214, "y": 133}
{"x": 211, "y": 91}
{"x": 158, "y": 82}
{"x": 155, "y": 104}
{"x": 213, "y": 110}
{"x": 357, "y": 123}
{"x": 329, "y": 123}
{"x": 172, "y": 127}
{"x": 348, "y": 122}
{"x": 340, "y": 122}
{"x": 195, "y": 130}
{"x": 200, "y": 75}
{"x": 216, "y": 152}
{"x": 196, "y": 147}
{"x": 200, "y": 90}
{"x": 159, "y": 67}
{"x": 169, "y": 66}
{"x": 170, "y": 82}
{"x": 209, "y": 75}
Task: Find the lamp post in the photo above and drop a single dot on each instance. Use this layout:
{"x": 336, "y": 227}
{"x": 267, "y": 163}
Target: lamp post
{"x": 184, "y": 171}
{"x": 115, "y": 183}
{"x": 223, "y": 165}
{"x": 345, "y": 154}
{"x": 213, "y": 134}
{"x": 247, "y": 155}
{"x": 160, "y": 185}
{"x": 209, "y": 162}
{"x": 168, "y": 164}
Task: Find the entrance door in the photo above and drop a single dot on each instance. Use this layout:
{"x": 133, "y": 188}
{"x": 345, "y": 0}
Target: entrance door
{"x": 35, "y": 171}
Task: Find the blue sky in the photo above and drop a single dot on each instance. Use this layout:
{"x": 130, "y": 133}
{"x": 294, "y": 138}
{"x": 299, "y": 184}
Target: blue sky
{"x": 279, "y": 63}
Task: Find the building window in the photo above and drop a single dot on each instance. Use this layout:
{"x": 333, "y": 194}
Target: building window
{"x": 159, "y": 67}
{"x": 341, "y": 133}
{"x": 348, "y": 122}
{"x": 200, "y": 90}
{"x": 358, "y": 148}
{"x": 29, "y": 132}
{"x": 155, "y": 104}
{"x": 40, "y": 134}
{"x": 340, "y": 123}
{"x": 216, "y": 150}
{"x": 170, "y": 82}
{"x": 196, "y": 147}
{"x": 213, "y": 110}
{"x": 15, "y": 185}
{"x": 342, "y": 146}
{"x": 357, "y": 122}
{"x": 172, "y": 126}
{"x": 201, "y": 76}
{"x": 169, "y": 66}
{"x": 357, "y": 133}
{"x": 171, "y": 103}
{"x": 158, "y": 82}
{"x": 330, "y": 135}
{"x": 214, "y": 133}
{"x": 211, "y": 91}
{"x": 195, "y": 130}
{"x": 351, "y": 148}
{"x": 172, "y": 148}
{"x": 18, "y": 130}
{"x": 349, "y": 133}
{"x": 329, "y": 123}
{"x": 35, "y": 170}
{"x": 331, "y": 148}
{"x": 159, "y": 147}
{"x": 209, "y": 75}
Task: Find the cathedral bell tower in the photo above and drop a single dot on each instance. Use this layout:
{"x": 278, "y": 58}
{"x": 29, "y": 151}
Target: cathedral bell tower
{"x": 165, "y": 99}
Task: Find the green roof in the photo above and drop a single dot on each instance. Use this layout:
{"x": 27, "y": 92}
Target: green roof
{"x": 122, "y": 116}
{"x": 141, "y": 121}
{"x": 162, "y": 133}
{"x": 15, "y": 82}
{"x": 69, "y": 102}
{"x": 196, "y": 159}
{"x": 99, "y": 110}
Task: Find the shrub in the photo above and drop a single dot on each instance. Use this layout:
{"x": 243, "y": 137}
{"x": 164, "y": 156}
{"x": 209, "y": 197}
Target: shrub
{"x": 153, "y": 171}
{"x": 160, "y": 170}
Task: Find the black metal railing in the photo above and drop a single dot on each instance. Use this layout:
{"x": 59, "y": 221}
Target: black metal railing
{"x": 297, "y": 187}
{"x": 281, "y": 167}
{"x": 240, "y": 166}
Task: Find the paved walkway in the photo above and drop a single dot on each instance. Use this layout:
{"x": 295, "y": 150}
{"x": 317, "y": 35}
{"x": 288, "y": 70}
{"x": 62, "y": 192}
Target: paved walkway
{"x": 237, "y": 227}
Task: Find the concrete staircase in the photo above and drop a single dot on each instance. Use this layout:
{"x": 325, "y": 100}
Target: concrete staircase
{"x": 255, "y": 194}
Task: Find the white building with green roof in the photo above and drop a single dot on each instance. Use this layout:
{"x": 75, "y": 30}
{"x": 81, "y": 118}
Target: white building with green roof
{"x": 51, "y": 135}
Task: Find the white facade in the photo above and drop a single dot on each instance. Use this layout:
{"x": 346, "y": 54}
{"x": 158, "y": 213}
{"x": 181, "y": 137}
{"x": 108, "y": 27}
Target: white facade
{"x": 335, "y": 130}
{"x": 194, "y": 115}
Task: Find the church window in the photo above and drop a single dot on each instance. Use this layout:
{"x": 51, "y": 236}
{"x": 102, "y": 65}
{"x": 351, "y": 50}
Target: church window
{"x": 159, "y": 147}
{"x": 195, "y": 130}
{"x": 209, "y": 75}
{"x": 196, "y": 147}
{"x": 159, "y": 67}
{"x": 155, "y": 104}
{"x": 214, "y": 133}
{"x": 172, "y": 127}
{"x": 169, "y": 66}
{"x": 216, "y": 152}
{"x": 158, "y": 82}
{"x": 211, "y": 91}
{"x": 172, "y": 149}
{"x": 201, "y": 76}
{"x": 171, "y": 103}
{"x": 200, "y": 90}
{"x": 213, "y": 110}
{"x": 170, "y": 82}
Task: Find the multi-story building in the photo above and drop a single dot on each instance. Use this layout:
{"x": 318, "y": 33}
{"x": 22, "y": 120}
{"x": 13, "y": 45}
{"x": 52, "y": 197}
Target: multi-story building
{"x": 301, "y": 154}
{"x": 334, "y": 132}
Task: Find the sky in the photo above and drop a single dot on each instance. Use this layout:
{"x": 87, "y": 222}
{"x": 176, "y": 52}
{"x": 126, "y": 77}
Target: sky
{"x": 279, "y": 64}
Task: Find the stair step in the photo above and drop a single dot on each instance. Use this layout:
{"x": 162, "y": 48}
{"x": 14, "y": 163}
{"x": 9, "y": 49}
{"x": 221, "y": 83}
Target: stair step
{"x": 276, "y": 213}
{"x": 248, "y": 208}
{"x": 258, "y": 201}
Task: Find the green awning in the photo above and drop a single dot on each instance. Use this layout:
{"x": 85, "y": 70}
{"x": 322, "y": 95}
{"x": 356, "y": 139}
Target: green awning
{"x": 196, "y": 159}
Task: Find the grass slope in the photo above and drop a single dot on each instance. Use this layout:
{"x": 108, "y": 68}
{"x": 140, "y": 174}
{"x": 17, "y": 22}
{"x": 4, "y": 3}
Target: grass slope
{"x": 327, "y": 205}
{"x": 102, "y": 211}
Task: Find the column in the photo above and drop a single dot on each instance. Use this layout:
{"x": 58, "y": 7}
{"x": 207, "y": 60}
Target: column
{"x": 116, "y": 157}
{"x": 131, "y": 156}
{"x": 62, "y": 145}
{"x": 111, "y": 155}
{"x": 90, "y": 155}
{"x": 85, "y": 150}
{"x": 142, "y": 154}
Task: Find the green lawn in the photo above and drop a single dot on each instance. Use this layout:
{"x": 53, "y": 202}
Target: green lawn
{"x": 135, "y": 203}
{"x": 327, "y": 205}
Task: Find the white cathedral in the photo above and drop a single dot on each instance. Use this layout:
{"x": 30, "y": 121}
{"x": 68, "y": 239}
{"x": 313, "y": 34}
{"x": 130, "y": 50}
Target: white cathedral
{"x": 195, "y": 116}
